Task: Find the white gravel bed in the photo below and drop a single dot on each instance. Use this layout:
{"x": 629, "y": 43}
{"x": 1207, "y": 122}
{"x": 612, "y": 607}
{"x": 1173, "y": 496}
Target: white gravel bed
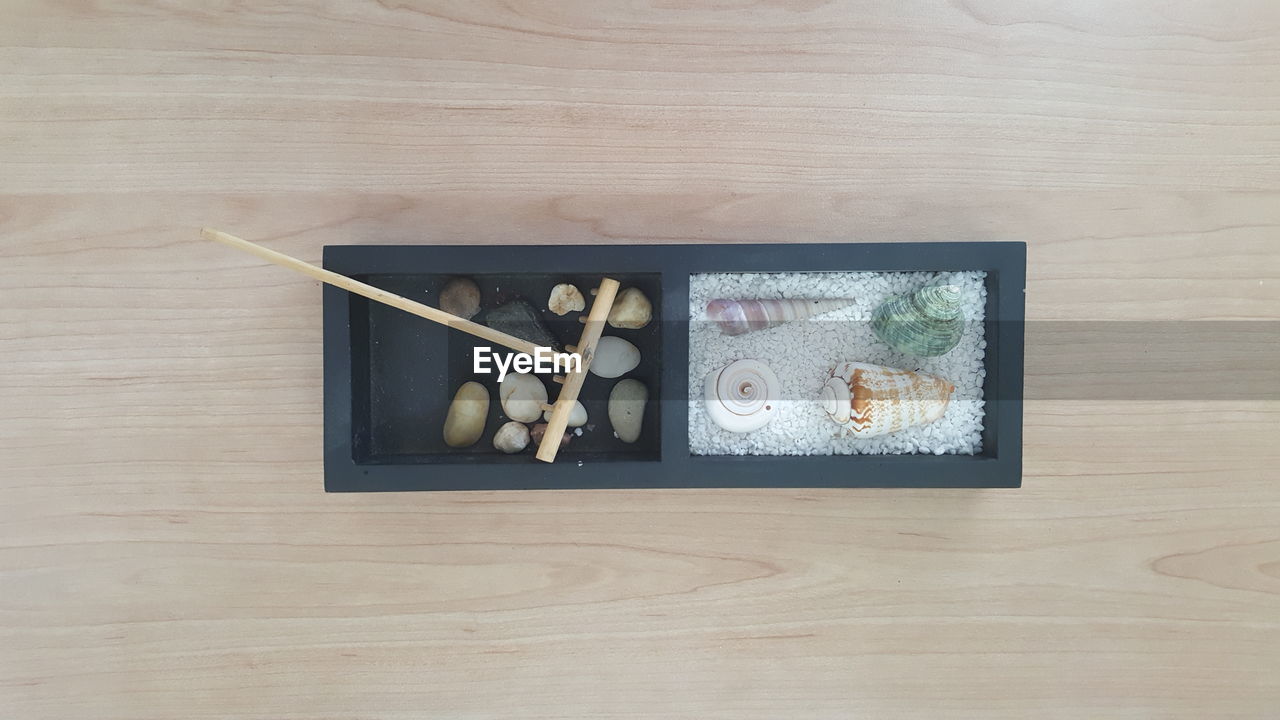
{"x": 803, "y": 352}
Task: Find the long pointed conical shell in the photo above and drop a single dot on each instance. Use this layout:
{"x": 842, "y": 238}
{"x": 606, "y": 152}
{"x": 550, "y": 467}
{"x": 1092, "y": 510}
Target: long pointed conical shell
{"x": 742, "y": 396}
{"x": 925, "y": 323}
{"x": 736, "y": 317}
{"x": 876, "y": 400}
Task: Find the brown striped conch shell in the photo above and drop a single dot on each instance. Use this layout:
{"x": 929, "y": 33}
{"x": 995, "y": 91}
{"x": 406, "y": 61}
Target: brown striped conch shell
{"x": 736, "y": 317}
{"x": 742, "y": 396}
{"x": 875, "y": 400}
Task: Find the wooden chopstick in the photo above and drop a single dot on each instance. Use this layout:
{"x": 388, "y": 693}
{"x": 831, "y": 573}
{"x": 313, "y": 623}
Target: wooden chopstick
{"x": 586, "y": 347}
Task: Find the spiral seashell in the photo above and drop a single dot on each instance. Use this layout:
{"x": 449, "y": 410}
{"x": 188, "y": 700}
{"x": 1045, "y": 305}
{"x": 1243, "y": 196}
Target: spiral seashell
{"x": 925, "y": 323}
{"x": 875, "y": 400}
{"x": 736, "y": 317}
{"x": 742, "y": 396}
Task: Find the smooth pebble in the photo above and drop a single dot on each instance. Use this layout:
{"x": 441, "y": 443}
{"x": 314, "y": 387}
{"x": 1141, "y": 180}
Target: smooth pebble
{"x": 540, "y": 430}
{"x": 461, "y": 297}
{"x": 614, "y": 357}
{"x": 577, "y": 416}
{"x": 565, "y": 298}
{"x": 626, "y": 409}
{"x": 631, "y": 310}
{"x": 522, "y": 396}
{"x": 512, "y": 437}
{"x": 521, "y": 319}
{"x": 464, "y": 423}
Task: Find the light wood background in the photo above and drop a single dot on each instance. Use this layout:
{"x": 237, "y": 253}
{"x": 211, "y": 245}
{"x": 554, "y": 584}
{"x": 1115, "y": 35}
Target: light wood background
{"x": 165, "y": 547}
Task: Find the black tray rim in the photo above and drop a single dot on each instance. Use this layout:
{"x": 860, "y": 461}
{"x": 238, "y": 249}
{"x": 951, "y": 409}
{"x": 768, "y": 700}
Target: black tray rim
{"x": 1000, "y": 465}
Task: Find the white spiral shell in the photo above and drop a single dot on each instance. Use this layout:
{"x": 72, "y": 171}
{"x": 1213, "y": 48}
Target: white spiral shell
{"x": 737, "y": 317}
{"x": 742, "y": 396}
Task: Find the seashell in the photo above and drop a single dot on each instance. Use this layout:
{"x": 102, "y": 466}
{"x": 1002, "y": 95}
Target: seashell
{"x": 925, "y": 323}
{"x": 875, "y": 400}
{"x": 742, "y": 396}
{"x": 736, "y": 317}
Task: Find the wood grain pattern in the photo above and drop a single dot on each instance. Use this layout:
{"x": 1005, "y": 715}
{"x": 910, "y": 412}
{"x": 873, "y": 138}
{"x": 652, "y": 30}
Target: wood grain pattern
{"x": 166, "y": 551}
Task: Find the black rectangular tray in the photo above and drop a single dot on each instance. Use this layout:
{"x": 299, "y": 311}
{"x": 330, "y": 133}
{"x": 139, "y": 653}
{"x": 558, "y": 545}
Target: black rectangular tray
{"x": 389, "y": 376}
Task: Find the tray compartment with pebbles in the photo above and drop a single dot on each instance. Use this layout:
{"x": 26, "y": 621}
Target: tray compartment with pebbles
{"x": 870, "y": 393}
{"x": 408, "y": 370}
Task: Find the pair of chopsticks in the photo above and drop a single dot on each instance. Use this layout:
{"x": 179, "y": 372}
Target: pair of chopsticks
{"x": 572, "y": 380}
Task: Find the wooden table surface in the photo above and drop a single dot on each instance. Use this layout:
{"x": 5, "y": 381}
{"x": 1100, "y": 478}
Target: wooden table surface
{"x": 166, "y": 550}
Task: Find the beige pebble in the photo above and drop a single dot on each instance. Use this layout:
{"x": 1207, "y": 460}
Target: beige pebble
{"x": 464, "y": 424}
{"x": 565, "y": 298}
{"x": 522, "y": 396}
{"x": 631, "y": 310}
{"x": 511, "y": 438}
